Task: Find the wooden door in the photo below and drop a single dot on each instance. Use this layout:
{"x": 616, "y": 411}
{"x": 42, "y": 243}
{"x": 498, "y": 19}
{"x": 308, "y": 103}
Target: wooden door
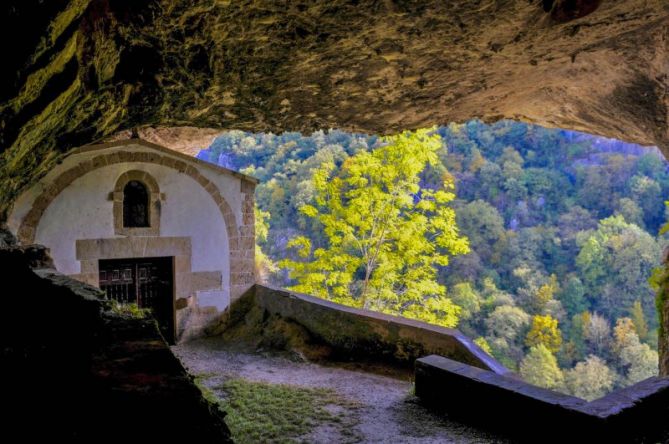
{"x": 148, "y": 282}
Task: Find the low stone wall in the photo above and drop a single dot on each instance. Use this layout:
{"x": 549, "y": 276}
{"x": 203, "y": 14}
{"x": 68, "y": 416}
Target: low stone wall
{"x": 363, "y": 333}
{"x": 636, "y": 414}
{"x": 71, "y": 369}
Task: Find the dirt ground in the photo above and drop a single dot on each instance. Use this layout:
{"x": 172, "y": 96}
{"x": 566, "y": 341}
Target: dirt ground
{"x": 388, "y": 412}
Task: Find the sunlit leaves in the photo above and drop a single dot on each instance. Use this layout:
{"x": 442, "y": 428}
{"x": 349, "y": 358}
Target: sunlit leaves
{"x": 544, "y": 331}
{"x": 385, "y": 233}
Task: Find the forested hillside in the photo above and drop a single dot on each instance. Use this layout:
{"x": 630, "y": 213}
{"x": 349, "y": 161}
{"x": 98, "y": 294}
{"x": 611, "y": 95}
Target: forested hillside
{"x": 562, "y": 231}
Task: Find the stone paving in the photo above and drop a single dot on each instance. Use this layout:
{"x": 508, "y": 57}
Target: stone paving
{"x": 389, "y": 411}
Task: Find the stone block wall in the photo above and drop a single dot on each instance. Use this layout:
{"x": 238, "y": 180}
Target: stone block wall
{"x": 360, "y": 333}
{"x": 242, "y": 251}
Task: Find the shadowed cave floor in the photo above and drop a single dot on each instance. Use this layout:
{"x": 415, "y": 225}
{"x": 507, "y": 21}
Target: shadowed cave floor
{"x": 376, "y": 407}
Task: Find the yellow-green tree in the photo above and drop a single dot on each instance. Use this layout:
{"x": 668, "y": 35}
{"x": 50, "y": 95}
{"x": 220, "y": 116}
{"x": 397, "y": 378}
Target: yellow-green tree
{"x": 264, "y": 265}
{"x": 639, "y": 320}
{"x": 483, "y": 343}
{"x": 590, "y": 379}
{"x": 546, "y": 292}
{"x": 539, "y": 367}
{"x": 385, "y": 234}
{"x": 544, "y": 331}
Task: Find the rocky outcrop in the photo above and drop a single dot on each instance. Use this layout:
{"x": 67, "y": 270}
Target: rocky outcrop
{"x": 78, "y": 71}
{"x": 664, "y": 335}
{"x": 73, "y": 370}
{"x": 185, "y": 139}
{"x": 662, "y": 282}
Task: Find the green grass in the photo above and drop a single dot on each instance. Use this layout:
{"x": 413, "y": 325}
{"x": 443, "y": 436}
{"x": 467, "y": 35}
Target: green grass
{"x": 262, "y": 412}
{"x": 131, "y": 310}
{"x": 207, "y": 393}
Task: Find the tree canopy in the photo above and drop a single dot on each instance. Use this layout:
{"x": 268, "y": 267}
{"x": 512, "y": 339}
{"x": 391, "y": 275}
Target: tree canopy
{"x": 385, "y": 233}
{"x": 562, "y": 226}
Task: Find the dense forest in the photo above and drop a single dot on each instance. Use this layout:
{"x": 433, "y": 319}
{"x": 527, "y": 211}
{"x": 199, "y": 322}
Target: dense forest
{"x": 562, "y": 230}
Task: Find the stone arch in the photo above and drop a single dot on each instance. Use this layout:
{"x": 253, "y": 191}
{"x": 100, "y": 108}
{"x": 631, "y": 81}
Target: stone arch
{"x": 155, "y": 198}
{"x": 241, "y": 248}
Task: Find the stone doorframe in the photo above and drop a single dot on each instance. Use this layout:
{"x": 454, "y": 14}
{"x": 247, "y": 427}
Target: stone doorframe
{"x": 186, "y": 282}
{"x": 241, "y": 239}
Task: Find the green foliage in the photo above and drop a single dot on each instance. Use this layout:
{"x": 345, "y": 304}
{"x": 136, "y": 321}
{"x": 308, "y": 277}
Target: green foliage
{"x": 466, "y": 297}
{"x": 261, "y": 225}
{"x": 639, "y": 320}
{"x": 630, "y": 211}
{"x": 131, "y": 310}
{"x": 486, "y": 228}
{"x": 636, "y": 360}
{"x": 575, "y": 348}
{"x": 485, "y": 346}
{"x": 573, "y": 297}
{"x": 641, "y": 362}
{"x": 615, "y": 262}
{"x": 544, "y": 331}
{"x": 507, "y": 322}
{"x": 590, "y": 379}
{"x": 659, "y": 282}
{"x": 385, "y": 234}
{"x": 539, "y": 367}
{"x": 560, "y": 224}
{"x": 265, "y": 267}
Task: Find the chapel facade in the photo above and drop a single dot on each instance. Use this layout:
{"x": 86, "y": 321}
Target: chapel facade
{"x": 147, "y": 225}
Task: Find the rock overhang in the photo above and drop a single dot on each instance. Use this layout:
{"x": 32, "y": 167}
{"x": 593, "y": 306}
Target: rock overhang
{"x": 83, "y": 70}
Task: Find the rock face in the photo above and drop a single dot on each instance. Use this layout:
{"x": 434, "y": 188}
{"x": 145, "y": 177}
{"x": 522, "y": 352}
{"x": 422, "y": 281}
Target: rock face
{"x": 663, "y": 310}
{"x": 78, "y": 71}
{"x": 185, "y": 139}
{"x": 664, "y": 338}
{"x": 85, "y": 373}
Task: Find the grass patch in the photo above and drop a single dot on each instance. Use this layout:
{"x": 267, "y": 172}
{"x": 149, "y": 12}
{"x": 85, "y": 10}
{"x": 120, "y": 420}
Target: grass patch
{"x": 128, "y": 310}
{"x": 262, "y": 412}
{"x": 207, "y": 393}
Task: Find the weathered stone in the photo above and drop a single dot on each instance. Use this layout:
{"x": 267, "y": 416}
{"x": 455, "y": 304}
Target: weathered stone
{"x": 181, "y": 303}
{"x": 186, "y": 139}
{"x": 248, "y": 187}
{"x": 663, "y": 313}
{"x": 635, "y": 414}
{"x": 91, "y": 369}
{"x": 99, "y": 161}
{"x": 354, "y": 333}
{"x": 80, "y": 71}
{"x": 7, "y": 239}
{"x": 211, "y": 188}
{"x": 664, "y": 339}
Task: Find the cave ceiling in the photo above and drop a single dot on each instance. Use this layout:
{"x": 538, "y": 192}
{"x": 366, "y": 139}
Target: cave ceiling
{"x": 79, "y": 71}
